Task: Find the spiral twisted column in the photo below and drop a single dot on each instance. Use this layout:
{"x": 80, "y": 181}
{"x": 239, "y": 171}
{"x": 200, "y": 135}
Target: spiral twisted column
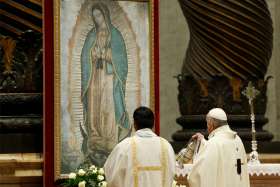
{"x": 228, "y": 37}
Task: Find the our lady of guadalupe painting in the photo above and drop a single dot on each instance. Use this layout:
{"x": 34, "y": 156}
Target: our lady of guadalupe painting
{"x": 103, "y": 71}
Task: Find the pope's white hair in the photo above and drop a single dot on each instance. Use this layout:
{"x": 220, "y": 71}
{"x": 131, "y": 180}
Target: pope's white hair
{"x": 217, "y": 122}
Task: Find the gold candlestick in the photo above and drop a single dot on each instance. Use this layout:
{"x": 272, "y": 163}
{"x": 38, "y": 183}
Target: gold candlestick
{"x": 251, "y": 92}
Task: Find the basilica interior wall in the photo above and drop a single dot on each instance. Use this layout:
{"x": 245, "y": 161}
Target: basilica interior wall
{"x": 173, "y": 42}
{"x": 273, "y": 105}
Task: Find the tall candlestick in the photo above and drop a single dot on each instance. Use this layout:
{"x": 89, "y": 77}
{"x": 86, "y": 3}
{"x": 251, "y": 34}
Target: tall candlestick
{"x": 251, "y": 92}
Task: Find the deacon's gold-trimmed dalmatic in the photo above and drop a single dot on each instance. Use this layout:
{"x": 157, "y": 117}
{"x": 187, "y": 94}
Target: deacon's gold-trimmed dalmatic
{"x": 144, "y": 160}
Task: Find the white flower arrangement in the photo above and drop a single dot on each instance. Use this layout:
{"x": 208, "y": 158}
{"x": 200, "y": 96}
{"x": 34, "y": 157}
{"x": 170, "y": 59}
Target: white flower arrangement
{"x": 86, "y": 177}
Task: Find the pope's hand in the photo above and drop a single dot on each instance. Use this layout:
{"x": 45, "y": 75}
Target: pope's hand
{"x": 198, "y": 136}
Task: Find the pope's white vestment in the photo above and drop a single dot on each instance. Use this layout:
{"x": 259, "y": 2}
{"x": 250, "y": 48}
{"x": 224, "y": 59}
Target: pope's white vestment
{"x": 215, "y": 165}
{"x": 144, "y": 160}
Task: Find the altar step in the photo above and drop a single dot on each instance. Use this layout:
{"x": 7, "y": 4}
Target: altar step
{"x": 21, "y": 170}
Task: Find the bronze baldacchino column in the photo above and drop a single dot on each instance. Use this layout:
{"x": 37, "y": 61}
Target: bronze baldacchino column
{"x": 230, "y": 45}
{"x": 21, "y": 99}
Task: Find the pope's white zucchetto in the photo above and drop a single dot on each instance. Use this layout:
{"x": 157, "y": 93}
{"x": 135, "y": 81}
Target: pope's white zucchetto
{"x": 217, "y": 113}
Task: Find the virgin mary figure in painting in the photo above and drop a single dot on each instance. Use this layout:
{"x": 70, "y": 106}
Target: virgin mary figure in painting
{"x": 104, "y": 73}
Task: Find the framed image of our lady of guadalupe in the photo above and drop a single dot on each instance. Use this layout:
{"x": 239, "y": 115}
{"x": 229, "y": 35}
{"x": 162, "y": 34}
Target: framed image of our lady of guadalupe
{"x": 105, "y": 65}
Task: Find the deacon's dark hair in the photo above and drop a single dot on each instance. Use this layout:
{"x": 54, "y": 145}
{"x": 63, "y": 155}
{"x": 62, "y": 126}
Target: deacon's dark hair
{"x": 144, "y": 118}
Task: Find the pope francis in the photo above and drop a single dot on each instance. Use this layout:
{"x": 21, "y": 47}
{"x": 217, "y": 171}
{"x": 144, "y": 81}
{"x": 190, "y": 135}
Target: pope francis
{"x": 221, "y": 161}
{"x": 144, "y": 160}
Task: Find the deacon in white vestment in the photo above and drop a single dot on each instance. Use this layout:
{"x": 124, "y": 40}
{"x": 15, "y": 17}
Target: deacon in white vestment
{"x": 144, "y": 160}
{"x": 221, "y": 161}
